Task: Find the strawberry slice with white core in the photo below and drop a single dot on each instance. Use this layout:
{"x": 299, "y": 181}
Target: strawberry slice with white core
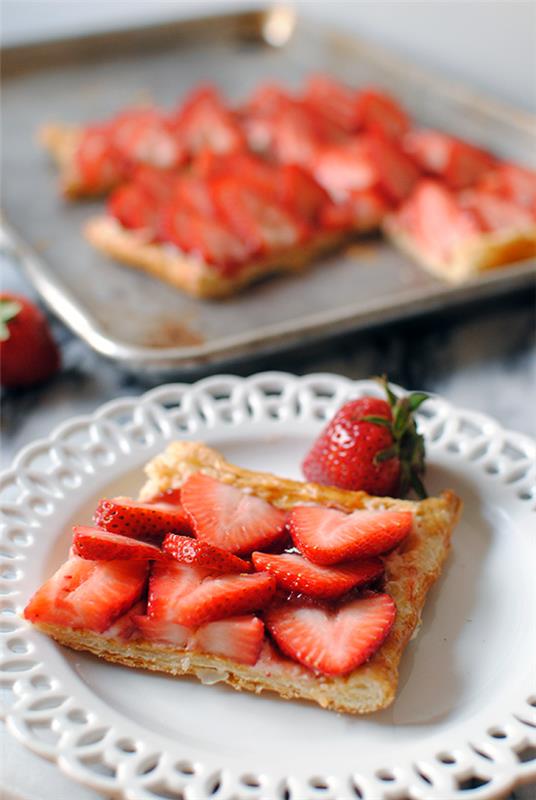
{"x": 99, "y": 545}
{"x": 381, "y": 114}
{"x": 435, "y": 219}
{"x": 160, "y": 630}
{"x": 218, "y": 598}
{"x": 332, "y": 641}
{"x": 169, "y": 582}
{"x": 296, "y": 574}
{"x": 124, "y": 627}
{"x": 88, "y": 594}
{"x": 226, "y": 517}
{"x": 328, "y": 536}
{"x": 496, "y": 213}
{"x": 237, "y": 638}
{"x": 140, "y": 520}
{"x": 193, "y": 551}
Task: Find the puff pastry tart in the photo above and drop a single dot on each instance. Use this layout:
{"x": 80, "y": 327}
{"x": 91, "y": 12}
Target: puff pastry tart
{"x": 264, "y": 583}
{"x": 211, "y": 197}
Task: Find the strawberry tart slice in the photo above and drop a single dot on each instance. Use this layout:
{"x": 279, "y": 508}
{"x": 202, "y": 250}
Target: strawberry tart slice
{"x": 267, "y": 584}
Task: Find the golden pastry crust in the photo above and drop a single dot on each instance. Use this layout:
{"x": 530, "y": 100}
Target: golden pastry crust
{"x": 410, "y": 571}
{"x": 476, "y": 255}
{"x": 192, "y": 275}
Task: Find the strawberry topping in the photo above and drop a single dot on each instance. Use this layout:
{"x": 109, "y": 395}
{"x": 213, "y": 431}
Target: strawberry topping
{"x": 99, "y": 545}
{"x": 296, "y": 574}
{"x": 328, "y": 536}
{"x": 193, "y": 551}
{"x": 88, "y": 594}
{"x": 226, "y": 517}
{"x": 140, "y": 520}
{"x": 169, "y": 582}
{"x": 237, "y": 638}
{"x": 192, "y": 596}
{"x": 332, "y": 641}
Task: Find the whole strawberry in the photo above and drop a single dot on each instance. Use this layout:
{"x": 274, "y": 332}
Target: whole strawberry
{"x": 28, "y": 353}
{"x": 371, "y": 445}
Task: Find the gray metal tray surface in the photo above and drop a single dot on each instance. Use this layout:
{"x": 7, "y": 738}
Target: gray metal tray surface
{"x": 145, "y": 324}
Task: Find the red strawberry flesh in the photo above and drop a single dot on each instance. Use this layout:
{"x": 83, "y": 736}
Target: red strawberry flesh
{"x": 88, "y": 594}
{"x": 332, "y": 642}
{"x": 193, "y": 551}
{"x": 96, "y": 544}
{"x": 221, "y": 597}
{"x": 328, "y": 536}
{"x": 169, "y": 582}
{"x": 140, "y": 520}
{"x": 296, "y": 574}
{"x": 237, "y": 638}
{"x": 228, "y": 518}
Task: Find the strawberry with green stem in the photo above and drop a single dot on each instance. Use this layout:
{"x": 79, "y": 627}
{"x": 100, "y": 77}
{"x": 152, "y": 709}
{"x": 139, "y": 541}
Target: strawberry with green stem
{"x": 371, "y": 445}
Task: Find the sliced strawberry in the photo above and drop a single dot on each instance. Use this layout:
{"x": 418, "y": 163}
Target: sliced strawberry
{"x": 205, "y": 122}
{"x": 98, "y": 162}
{"x": 192, "y": 551}
{"x": 226, "y": 517}
{"x": 495, "y": 212}
{"x": 298, "y": 133}
{"x": 170, "y": 496}
{"x": 381, "y": 114}
{"x": 296, "y": 574}
{"x": 138, "y": 203}
{"x": 514, "y": 183}
{"x": 160, "y": 630}
{"x": 433, "y": 216}
{"x": 207, "y": 239}
{"x": 253, "y": 216}
{"x": 430, "y": 149}
{"x": 334, "y": 101}
{"x": 132, "y": 207}
{"x": 344, "y": 167}
{"x": 140, "y": 520}
{"x": 99, "y": 545}
{"x": 300, "y": 193}
{"x": 396, "y": 173}
{"x": 192, "y": 193}
{"x": 226, "y": 596}
{"x": 332, "y": 642}
{"x": 466, "y": 165}
{"x": 237, "y": 638}
{"x": 143, "y": 136}
{"x": 369, "y": 208}
{"x": 124, "y": 627}
{"x": 458, "y": 163}
{"x": 328, "y": 536}
{"x": 88, "y": 594}
{"x": 169, "y": 582}
{"x": 260, "y": 113}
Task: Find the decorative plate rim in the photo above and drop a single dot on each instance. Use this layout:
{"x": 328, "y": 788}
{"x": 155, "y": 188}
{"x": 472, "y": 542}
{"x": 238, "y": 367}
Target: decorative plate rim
{"x": 96, "y": 749}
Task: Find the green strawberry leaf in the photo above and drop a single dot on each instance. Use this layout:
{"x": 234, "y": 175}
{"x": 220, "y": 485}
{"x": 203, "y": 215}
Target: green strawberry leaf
{"x": 408, "y": 443}
{"x": 8, "y": 311}
{"x": 377, "y": 421}
{"x": 416, "y": 399}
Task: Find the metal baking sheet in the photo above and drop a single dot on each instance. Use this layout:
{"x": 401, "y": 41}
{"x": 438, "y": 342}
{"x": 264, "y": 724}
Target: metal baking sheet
{"x": 141, "y": 322}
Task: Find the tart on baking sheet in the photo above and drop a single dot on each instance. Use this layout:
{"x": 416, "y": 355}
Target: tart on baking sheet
{"x": 212, "y": 197}
{"x": 267, "y": 584}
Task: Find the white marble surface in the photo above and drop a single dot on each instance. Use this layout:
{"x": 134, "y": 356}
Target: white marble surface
{"x": 482, "y": 357}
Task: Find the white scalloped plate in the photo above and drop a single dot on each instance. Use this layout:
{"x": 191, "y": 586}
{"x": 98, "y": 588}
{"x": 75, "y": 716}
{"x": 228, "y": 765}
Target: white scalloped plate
{"x": 464, "y": 722}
